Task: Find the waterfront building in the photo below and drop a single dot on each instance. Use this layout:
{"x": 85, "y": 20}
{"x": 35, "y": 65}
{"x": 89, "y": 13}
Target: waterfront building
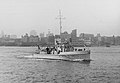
{"x": 33, "y": 39}
{"x": 43, "y": 41}
{"x": 42, "y": 35}
{"x": 10, "y": 42}
{"x": 99, "y": 39}
{"x": 18, "y": 42}
{"x": 25, "y": 38}
{"x": 86, "y": 36}
{"x": 77, "y": 42}
{"x": 74, "y": 33}
{"x": 108, "y": 40}
{"x": 117, "y": 40}
{"x": 29, "y": 40}
{"x": 74, "y": 37}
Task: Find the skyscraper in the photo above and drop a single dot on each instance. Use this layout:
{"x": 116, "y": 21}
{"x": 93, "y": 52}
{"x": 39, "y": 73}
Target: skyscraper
{"x": 74, "y": 33}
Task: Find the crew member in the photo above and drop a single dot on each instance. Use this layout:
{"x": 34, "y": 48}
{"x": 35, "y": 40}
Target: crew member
{"x": 58, "y": 50}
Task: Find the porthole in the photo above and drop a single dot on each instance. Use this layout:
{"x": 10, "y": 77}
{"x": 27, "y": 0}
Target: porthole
{"x": 79, "y": 49}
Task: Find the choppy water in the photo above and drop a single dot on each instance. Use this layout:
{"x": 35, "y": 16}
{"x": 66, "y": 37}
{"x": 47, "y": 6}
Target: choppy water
{"x": 105, "y": 67}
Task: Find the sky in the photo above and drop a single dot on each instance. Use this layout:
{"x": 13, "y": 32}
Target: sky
{"x": 87, "y": 16}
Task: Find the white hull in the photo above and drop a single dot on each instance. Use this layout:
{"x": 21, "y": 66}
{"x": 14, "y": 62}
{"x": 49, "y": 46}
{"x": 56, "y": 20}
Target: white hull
{"x": 82, "y": 55}
{"x": 75, "y": 55}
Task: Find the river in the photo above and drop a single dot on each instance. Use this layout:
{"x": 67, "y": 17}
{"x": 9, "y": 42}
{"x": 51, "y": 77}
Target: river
{"x": 104, "y": 67}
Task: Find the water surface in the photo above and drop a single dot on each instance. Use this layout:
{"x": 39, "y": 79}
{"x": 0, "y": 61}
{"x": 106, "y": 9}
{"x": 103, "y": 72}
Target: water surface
{"x": 105, "y": 67}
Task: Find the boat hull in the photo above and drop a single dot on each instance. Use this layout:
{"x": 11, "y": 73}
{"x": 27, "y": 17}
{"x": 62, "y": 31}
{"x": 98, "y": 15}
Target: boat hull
{"x": 72, "y": 56}
{"x": 76, "y": 55}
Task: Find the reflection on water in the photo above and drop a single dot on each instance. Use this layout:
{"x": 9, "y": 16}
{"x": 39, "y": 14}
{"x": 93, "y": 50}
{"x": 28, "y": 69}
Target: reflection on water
{"x": 104, "y": 68}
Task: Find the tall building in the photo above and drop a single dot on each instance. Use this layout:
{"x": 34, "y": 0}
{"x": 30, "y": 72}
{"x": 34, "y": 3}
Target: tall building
{"x": 74, "y": 33}
{"x": 74, "y": 36}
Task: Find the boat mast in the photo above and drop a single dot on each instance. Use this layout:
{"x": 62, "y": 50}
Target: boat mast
{"x": 60, "y": 17}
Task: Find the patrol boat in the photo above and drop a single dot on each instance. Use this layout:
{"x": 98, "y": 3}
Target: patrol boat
{"x": 62, "y": 52}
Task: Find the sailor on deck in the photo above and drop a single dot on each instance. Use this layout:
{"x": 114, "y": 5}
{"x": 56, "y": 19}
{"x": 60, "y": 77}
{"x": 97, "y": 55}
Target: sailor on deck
{"x": 58, "y": 50}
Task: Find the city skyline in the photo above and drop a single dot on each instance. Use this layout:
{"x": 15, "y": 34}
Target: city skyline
{"x": 42, "y": 34}
{"x": 95, "y": 16}
{"x": 33, "y": 39}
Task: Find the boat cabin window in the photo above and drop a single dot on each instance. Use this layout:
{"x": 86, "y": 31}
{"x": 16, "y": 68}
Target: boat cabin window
{"x": 75, "y": 49}
{"x": 79, "y": 49}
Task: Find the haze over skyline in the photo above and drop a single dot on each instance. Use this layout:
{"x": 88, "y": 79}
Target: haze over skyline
{"x": 87, "y": 16}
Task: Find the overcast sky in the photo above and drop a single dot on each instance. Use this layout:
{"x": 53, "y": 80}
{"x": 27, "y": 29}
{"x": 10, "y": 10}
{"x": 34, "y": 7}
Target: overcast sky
{"x": 87, "y": 16}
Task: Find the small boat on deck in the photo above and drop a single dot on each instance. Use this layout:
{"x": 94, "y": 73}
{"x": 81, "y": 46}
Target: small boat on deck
{"x": 64, "y": 53}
